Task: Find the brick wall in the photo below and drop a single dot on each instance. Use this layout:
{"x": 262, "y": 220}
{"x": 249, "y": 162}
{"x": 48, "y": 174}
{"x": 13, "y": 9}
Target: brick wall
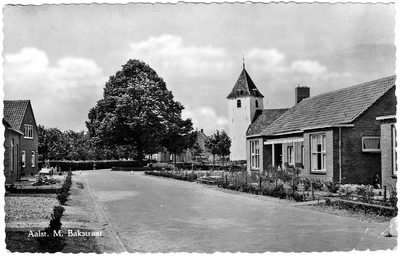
{"x": 11, "y": 174}
{"x": 358, "y": 166}
{"x": 30, "y": 145}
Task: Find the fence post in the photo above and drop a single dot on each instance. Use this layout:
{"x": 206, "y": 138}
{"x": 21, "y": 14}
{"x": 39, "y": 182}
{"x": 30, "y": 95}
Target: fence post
{"x": 312, "y": 191}
{"x": 384, "y": 194}
{"x": 226, "y": 178}
{"x": 260, "y": 182}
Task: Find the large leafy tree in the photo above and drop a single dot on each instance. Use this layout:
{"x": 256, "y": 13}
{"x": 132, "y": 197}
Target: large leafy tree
{"x": 224, "y": 145}
{"x": 179, "y": 137}
{"x": 68, "y": 145}
{"x": 51, "y": 144}
{"x": 136, "y": 111}
{"x": 218, "y": 144}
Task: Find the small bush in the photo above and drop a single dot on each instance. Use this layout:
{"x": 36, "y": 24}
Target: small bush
{"x": 63, "y": 193}
{"x": 53, "y": 242}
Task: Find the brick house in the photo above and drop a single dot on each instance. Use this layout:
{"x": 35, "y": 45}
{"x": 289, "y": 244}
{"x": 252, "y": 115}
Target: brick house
{"x": 21, "y": 140}
{"x": 333, "y": 136}
{"x": 187, "y": 156}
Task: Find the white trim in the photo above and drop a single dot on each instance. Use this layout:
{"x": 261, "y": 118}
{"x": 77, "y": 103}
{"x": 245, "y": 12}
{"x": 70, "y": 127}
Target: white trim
{"x": 283, "y": 140}
{"x": 387, "y": 117}
{"x": 16, "y": 131}
{"x": 307, "y": 128}
{"x": 372, "y": 150}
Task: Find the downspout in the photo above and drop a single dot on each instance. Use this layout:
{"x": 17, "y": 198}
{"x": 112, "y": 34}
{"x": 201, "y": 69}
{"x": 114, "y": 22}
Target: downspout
{"x": 340, "y": 155}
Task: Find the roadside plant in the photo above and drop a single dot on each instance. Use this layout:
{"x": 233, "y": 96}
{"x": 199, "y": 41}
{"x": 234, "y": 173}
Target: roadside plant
{"x": 63, "y": 193}
{"x": 52, "y": 241}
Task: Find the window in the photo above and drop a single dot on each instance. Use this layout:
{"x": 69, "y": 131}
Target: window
{"x": 256, "y": 104}
{"x": 371, "y": 144}
{"x": 290, "y": 155}
{"x": 28, "y": 131}
{"x": 318, "y": 152}
{"x": 239, "y": 103}
{"x": 255, "y": 154}
{"x": 33, "y": 159}
{"x": 23, "y": 159}
{"x": 394, "y": 149}
{"x": 302, "y": 155}
{"x": 12, "y": 153}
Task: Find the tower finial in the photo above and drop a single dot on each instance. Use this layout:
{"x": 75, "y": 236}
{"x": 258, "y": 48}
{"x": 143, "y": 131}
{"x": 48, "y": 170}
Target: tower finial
{"x": 243, "y": 62}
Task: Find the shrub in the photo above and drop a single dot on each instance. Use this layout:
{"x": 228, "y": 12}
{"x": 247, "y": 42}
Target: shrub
{"x": 53, "y": 242}
{"x": 332, "y": 186}
{"x": 63, "y": 193}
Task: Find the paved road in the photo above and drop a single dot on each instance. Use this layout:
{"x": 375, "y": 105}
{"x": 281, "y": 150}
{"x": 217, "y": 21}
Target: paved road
{"x": 153, "y": 214}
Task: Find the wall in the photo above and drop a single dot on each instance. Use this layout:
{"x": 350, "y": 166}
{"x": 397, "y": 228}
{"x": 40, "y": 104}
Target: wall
{"x": 11, "y": 175}
{"x": 388, "y": 178}
{"x": 239, "y": 121}
{"x": 358, "y": 166}
{"x": 29, "y": 145}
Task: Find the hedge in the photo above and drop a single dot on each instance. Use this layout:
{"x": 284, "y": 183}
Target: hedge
{"x": 90, "y": 165}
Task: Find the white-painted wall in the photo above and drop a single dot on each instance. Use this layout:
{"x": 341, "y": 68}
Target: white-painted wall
{"x": 239, "y": 121}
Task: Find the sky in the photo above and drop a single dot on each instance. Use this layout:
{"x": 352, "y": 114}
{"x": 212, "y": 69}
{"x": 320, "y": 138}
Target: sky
{"x": 61, "y": 56}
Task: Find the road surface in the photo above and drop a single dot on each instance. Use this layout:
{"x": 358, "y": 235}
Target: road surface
{"x": 154, "y": 214}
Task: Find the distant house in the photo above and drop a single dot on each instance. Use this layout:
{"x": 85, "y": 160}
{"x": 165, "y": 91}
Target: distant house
{"x": 188, "y": 155}
{"x": 21, "y": 140}
{"x": 336, "y": 136}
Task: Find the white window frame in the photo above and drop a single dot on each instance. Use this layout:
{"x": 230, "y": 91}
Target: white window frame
{"x": 371, "y": 150}
{"x": 255, "y": 154}
{"x": 12, "y": 153}
{"x": 23, "y": 159}
{"x": 33, "y": 160}
{"x": 290, "y": 155}
{"x": 318, "y": 156}
{"x": 28, "y": 131}
{"x": 394, "y": 151}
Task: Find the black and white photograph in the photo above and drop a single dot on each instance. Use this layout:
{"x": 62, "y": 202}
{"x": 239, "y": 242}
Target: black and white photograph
{"x": 213, "y": 127}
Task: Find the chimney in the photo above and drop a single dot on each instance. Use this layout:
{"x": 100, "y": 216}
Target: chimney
{"x": 301, "y": 93}
{"x": 201, "y": 130}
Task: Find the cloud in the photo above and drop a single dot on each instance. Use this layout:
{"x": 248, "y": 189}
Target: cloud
{"x": 308, "y": 67}
{"x": 67, "y": 89}
{"x": 263, "y": 60}
{"x": 168, "y": 54}
{"x": 206, "y": 118}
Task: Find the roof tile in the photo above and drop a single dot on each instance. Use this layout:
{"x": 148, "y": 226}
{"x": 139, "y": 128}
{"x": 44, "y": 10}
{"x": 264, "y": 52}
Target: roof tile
{"x": 337, "y": 107}
{"x": 14, "y": 112}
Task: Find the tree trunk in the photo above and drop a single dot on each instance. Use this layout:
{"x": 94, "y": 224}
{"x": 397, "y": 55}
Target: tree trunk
{"x": 213, "y": 161}
{"x": 140, "y": 154}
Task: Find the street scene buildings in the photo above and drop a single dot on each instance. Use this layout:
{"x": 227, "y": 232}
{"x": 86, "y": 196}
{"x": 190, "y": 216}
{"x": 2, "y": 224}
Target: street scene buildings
{"x": 252, "y": 133}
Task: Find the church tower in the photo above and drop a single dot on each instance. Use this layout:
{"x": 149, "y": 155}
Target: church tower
{"x": 243, "y": 102}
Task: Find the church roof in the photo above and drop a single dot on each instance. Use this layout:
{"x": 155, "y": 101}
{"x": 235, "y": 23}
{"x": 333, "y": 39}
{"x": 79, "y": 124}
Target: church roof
{"x": 244, "y": 87}
{"x": 338, "y": 107}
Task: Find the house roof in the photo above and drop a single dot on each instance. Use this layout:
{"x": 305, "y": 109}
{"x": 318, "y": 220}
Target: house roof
{"x": 244, "y": 86}
{"x": 14, "y": 112}
{"x": 262, "y": 119}
{"x": 333, "y": 108}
